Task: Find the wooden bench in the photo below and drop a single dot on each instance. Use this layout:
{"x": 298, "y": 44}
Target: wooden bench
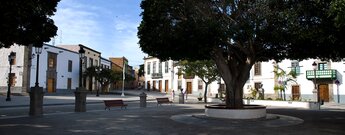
{"x": 114, "y": 103}
{"x": 161, "y": 101}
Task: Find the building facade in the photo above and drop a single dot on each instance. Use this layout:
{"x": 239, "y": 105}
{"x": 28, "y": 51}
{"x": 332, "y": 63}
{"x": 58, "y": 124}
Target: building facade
{"x": 91, "y": 58}
{"x": 324, "y": 83}
{"x": 20, "y": 76}
{"x": 58, "y": 69}
{"x": 164, "y": 76}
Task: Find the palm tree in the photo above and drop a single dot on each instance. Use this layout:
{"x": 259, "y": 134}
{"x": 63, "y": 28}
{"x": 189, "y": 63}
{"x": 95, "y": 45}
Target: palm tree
{"x": 283, "y": 78}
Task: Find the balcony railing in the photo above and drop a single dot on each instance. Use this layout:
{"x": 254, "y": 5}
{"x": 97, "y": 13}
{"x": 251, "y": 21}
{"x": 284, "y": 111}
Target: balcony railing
{"x": 322, "y": 74}
{"x": 157, "y": 75}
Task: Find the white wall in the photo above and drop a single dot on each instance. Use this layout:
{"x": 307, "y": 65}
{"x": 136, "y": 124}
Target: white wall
{"x": 63, "y": 56}
{"x": 212, "y": 88}
{"x": 17, "y": 68}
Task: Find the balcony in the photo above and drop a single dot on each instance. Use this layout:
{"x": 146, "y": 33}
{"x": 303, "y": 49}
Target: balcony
{"x": 157, "y": 75}
{"x": 322, "y": 74}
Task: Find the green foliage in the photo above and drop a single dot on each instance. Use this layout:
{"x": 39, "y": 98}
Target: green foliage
{"x": 103, "y": 75}
{"x": 253, "y": 93}
{"x": 206, "y": 70}
{"x": 141, "y": 71}
{"x": 337, "y": 9}
{"x": 236, "y": 34}
{"x": 26, "y": 22}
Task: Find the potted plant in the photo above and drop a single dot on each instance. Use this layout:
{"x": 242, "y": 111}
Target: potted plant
{"x": 200, "y": 97}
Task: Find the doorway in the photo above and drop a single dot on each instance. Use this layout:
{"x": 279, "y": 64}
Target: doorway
{"x": 295, "y": 91}
{"x": 160, "y": 85}
{"x": 154, "y": 85}
{"x": 148, "y": 86}
{"x": 324, "y": 92}
{"x": 50, "y": 85}
{"x": 166, "y": 85}
{"x": 189, "y": 88}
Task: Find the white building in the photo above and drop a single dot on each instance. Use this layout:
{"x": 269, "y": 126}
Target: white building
{"x": 162, "y": 76}
{"x": 159, "y": 75}
{"x": 327, "y": 73}
{"x": 58, "y": 69}
{"x": 20, "y": 76}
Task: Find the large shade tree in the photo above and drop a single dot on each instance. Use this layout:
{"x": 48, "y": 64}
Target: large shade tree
{"x": 26, "y": 22}
{"x": 238, "y": 33}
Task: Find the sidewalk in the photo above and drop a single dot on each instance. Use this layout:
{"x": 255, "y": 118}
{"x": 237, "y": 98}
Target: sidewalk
{"x": 130, "y": 96}
{"x": 63, "y": 99}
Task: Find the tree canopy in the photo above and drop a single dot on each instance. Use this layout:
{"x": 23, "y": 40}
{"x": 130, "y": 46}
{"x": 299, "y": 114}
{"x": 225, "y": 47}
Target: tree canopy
{"x": 26, "y": 22}
{"x": 238, "y": 33}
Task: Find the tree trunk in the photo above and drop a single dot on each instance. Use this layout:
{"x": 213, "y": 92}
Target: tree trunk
{"x": 205, "y": 93}
{"x": 235, "y": 74}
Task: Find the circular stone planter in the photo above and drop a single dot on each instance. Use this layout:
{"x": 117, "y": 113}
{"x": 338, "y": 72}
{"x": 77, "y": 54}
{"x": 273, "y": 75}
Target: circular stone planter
{"x": 247, "y": 112}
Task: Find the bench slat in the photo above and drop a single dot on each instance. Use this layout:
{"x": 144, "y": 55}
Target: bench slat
{"x": 114, "y": 103}
{"x": 163, "y": 101}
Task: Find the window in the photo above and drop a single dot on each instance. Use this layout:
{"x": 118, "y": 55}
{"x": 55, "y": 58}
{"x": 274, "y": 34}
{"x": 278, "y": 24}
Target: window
{"x": 295, "y": 67}
{"x": 166, "y": 67}
{"x": 69, "y": 66}
{"x": 322, "y": 66}
{"x": 257, "y": 85}
{"x": 154, "y": 67}
{"x": 52, "y": 60}
{"x": 179, "y": 84}
{"x": 85, "y": 62}
{"x": 96, "y": 61}
{"x": 257, "y": 68}
{"x": 200, "y": 83}
{"x": 160, "y": 67}
{"x": 69, "y": 83}
{"x": 91, "y": 62}
{"x": 148, "y": 68}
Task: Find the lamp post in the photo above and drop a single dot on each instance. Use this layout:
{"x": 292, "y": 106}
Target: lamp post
{"x": 38, "y": 51}
{"x": 99, "y": 70}
{"x": 337, "y": 83}
{"x": 315, "y": 86}
{"x": 81, "y": 57}
{"x": 10, "y": 60}
{"x": 80, "y": 94}
{"x": 123, "y": 79}
{"x": 36, "y": 93}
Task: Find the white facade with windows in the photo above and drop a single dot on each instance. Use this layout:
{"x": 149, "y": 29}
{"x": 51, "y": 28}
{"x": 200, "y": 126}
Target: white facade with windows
{"x": 163, "y": 76}
{"x": 264, "y": 79}
{"x": 58, "y": 69}
{"x": 19, "y": 69}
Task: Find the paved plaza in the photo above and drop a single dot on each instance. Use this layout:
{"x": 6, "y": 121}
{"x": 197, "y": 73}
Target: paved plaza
{"x": 60, "y": 118}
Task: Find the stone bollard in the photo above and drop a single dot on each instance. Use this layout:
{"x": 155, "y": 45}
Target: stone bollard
{"x": 181, "y": 98}
{"x": 80, "y": 100}
{"x": 36, "y": 101}
{"x": 142, "y": 100}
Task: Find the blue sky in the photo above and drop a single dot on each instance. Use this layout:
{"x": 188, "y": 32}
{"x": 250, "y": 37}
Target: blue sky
{"x": 108, "y": 26}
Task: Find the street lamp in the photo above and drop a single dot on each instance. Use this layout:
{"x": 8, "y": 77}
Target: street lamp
{"x": 81, "y": 57}
{"x": 11, "y": 57}
{"x": 123, "y": 79}
{"x": 80, "y": 94}
{"x": 337, "y": 83}
{"x": 99, "y": 70}
{"x": 38, "y": 51}
{"x": 315, "y": 87}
